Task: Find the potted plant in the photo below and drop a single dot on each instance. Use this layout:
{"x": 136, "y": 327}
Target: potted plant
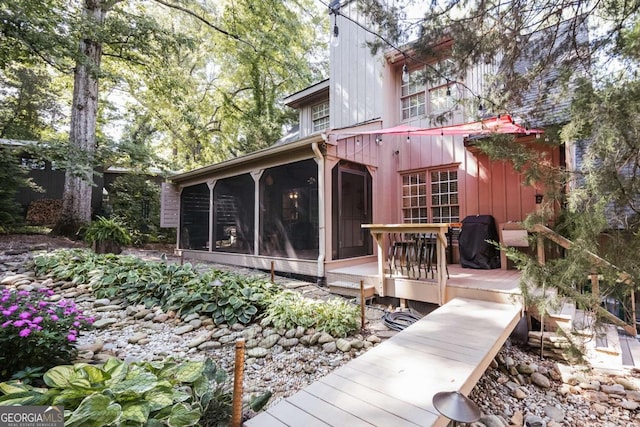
{"x": 107, "y": 235}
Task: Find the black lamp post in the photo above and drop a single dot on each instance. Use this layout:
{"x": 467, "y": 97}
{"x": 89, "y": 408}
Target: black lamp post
{"x": 456, "y": 406}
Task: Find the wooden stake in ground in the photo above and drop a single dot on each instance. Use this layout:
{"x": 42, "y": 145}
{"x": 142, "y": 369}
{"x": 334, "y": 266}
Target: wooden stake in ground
{"x": 238, "y": 374}
{"x": 361, "y": 304}
{"x": 272, "y": 273}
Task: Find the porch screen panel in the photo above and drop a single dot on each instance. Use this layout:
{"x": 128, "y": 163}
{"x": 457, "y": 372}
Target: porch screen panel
{"x": 233, "y": 201}
{"x": 194, "y": 218}
{"x": 289, "y": 211}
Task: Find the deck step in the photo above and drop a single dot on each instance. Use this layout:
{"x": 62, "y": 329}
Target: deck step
{"x": 608, "y": 340}
{"x": 630, "y": 347}
{"x": 583, "y": 323}
{"x": 561, "y": 317}
{"x": 351, "y": 289}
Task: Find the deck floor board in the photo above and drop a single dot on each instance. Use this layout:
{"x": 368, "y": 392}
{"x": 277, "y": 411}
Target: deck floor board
{"x": 394, "y": 383}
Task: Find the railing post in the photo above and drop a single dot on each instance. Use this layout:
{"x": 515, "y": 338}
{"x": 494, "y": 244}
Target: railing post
{"x": 595, "y": 285}
{"x": 540, "y": 249}
{"x": 633, "y": 312}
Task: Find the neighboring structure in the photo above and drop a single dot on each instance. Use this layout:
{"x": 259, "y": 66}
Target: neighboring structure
{"x": 300, "y": 204}
{"x": 49, "y": 178}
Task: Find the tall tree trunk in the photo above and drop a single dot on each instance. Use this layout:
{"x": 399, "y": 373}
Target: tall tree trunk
{"x": 76, "y": 205}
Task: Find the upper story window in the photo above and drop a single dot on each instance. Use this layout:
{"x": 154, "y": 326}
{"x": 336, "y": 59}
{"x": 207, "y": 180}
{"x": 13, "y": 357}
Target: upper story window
{"x": 421, "y": 95}
{"x": 441, "y": 99}
{"x": 320, "y": 116}
{"x": 413, "y": 96}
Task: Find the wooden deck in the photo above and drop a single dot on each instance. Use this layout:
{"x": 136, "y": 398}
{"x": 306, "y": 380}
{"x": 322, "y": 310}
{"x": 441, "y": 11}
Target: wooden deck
{"x": 393, "y": 384}
{"x": 497, "y": 285}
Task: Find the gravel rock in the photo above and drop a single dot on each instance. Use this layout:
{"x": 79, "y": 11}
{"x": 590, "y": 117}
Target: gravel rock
{"x": 540, "y": 380}
{"x": 580, "y": 398}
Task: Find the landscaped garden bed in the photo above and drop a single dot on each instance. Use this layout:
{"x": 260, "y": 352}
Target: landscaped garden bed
{"x": 199, "y": 313}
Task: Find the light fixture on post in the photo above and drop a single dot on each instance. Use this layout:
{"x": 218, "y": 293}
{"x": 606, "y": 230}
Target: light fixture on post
{"x": 448, "y": 88}
{"x": 456, "y": 406}
{"x": 378, "y": 139}
{"x": 480, "y": 106}
{"x": 408, "y": 139}
{"x": 405, "y": 73}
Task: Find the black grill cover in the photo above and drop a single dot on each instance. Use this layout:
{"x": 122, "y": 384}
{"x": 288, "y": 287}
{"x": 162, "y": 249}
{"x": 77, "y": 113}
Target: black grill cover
{"x": 475, "y": 252}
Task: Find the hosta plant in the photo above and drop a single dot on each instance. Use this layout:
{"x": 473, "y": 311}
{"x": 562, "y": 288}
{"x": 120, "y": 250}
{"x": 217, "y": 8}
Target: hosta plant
{"x": 137, "y": 394}
{"x": 36, "y": 332}
{"x": 226, "y": 297}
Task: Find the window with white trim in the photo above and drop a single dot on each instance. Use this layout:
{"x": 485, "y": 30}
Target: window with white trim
{"x": 422, "y": 95}
{"x": 444, "y": 196}
{"x": 430, "y": 196}
{"x": 413, "y": 97}
{"x": 414, "y": 197}
{"x": 320, "y": 116}
{"x": 441, "y": 100}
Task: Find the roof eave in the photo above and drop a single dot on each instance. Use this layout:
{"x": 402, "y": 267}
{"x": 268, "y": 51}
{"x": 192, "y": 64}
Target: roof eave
{"x": 265, "y": 153}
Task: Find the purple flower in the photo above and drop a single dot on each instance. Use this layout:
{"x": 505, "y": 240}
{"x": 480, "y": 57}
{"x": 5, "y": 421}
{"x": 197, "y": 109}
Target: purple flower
{"x": 25, "y": 332}
{"x": 13, "y": 308}
{"x": 76, "y": 324}
{"x": 23, "y": 293}
{"x": 7, "y": 323}
{"x": 25, "y": 315}
{"x": 54, "y": 318}
{"x": 42, "y": 304}
{"x": 37, "y": 320}
{"x": 71, "y": 337}
{"x": 6, "y": 313}
{"x": 19, "y": 323}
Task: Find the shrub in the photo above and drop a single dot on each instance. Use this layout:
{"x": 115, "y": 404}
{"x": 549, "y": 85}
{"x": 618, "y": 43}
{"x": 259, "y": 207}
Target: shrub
{"x": 136, "y": 200}
{"x": 103, "y": 232}
{"x": 35, "y": 332}
{"x": 12, "y": 177}
{"x": 136, "y": 394}
{"x": 289, "y": 309}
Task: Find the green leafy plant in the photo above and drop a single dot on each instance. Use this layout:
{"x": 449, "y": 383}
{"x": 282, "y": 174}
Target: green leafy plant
{"x": 226, "y": 297}
{"x": 290, "y": 309}
{"x": 106, "y": 230}
{"x": 135, "y": 199}
{"x": 136, "y": 394}
{"x": 36, "y": 332}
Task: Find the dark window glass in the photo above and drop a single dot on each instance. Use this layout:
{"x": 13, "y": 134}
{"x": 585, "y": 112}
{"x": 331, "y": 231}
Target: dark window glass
{"x": 289, "y": 210}
{"x": 233, "y": 200}
{"x": 194, "y": 227}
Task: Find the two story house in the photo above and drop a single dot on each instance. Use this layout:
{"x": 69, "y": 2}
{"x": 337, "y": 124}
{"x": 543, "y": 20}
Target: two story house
{"x": 368, "y": 150}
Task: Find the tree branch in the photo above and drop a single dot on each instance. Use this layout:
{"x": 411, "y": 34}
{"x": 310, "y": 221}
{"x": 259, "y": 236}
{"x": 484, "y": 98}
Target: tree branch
{"x": 206, "y": 22}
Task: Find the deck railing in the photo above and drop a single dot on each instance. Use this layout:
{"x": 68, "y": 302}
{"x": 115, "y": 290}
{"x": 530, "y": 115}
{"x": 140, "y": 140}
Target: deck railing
{"x": 545, "y": 232}
{"x": 411, "y": 251}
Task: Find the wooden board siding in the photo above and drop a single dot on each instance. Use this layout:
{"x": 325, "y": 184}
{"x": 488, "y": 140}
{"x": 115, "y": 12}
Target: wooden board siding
{"x": 356, "y": 75}
{"x": 169, "y": 206}
{"x": 394, "y": 383}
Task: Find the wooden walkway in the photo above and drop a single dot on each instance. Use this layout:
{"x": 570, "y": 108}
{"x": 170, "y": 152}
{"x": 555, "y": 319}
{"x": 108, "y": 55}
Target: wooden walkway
{"x": 393, "y": 384}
